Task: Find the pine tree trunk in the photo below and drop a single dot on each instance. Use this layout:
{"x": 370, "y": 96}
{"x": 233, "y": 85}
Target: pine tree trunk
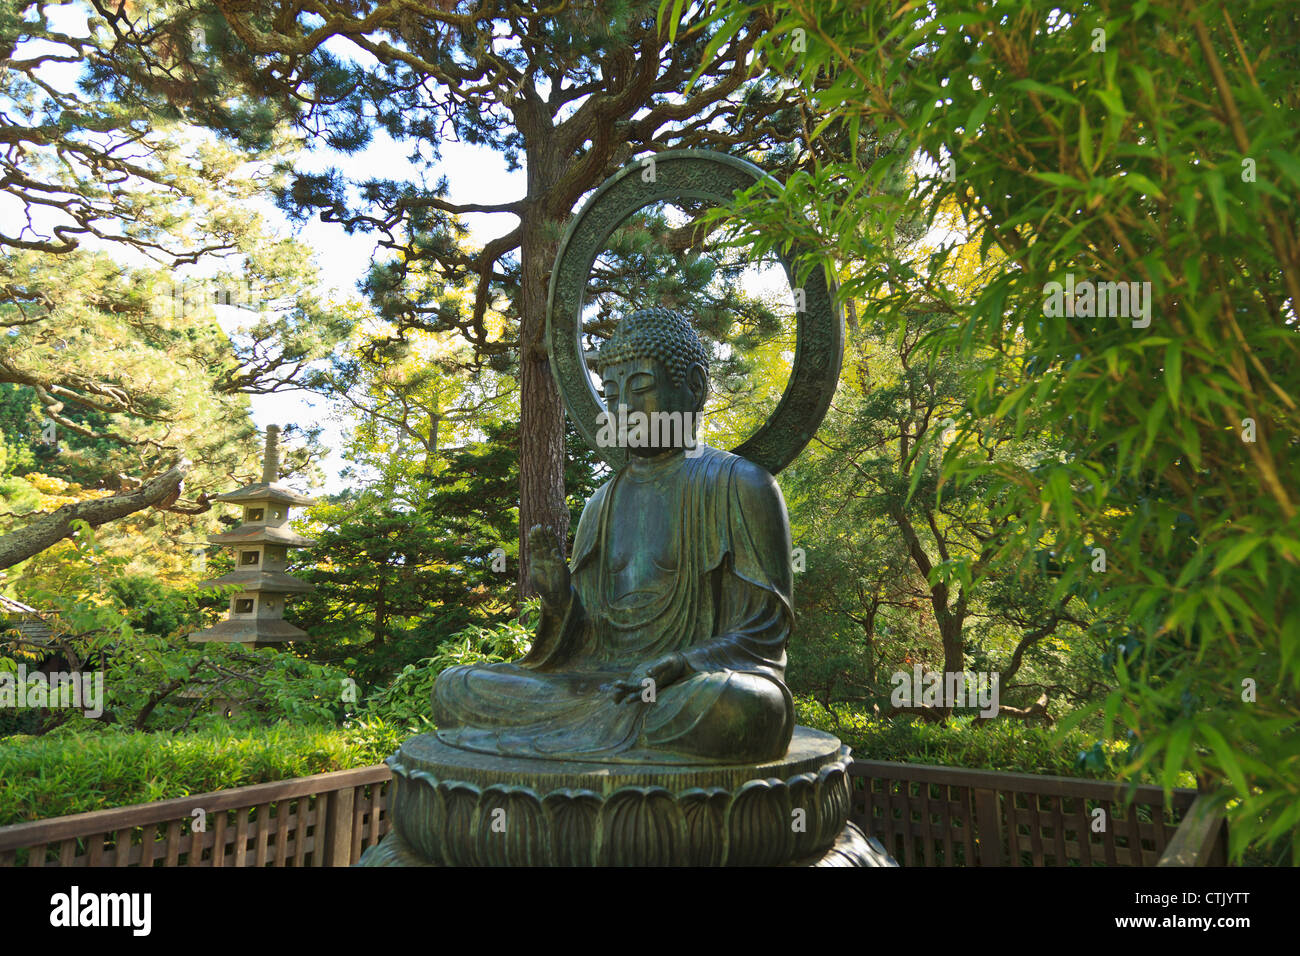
{"x": 541, "y": 413}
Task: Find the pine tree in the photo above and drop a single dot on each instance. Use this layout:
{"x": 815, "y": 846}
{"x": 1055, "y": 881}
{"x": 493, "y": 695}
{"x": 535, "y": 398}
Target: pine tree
{"x": 568, "y": 94}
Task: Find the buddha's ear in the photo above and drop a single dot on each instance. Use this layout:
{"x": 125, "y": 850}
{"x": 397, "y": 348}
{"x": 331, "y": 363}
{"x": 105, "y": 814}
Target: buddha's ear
{"x": 697, "y": 380}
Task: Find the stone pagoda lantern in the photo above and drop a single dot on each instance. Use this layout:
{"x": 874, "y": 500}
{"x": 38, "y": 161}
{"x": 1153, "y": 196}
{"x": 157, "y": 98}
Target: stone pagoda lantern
{"x": 261, "y": 544}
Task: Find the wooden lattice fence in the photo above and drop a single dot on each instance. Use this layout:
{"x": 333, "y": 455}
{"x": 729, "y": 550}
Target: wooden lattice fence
{"x": 924, "y": 816}
{"x": 948, "y": 816}
{"x": 327, "y": 819}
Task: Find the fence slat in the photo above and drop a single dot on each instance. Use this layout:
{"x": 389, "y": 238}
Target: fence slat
{"x": 122, "y": 846}
{"x": 378, "y": 811}
{"x": 1010, "y": 821}
{"x": 149, "y": 845}
{"x": 968, "y": 823}
{"x": 990, "y": 839}
{"x": 1134, "y": 837}
{"x": 927, "y": 846}
{"x": 364, "y": 814}
{"x": 219, "y": 840}
{"x": 861, "y": 796}
{"x": 197, "y": 838}
{"x": 1083, "y": 826}
{"x": 173, "y": 844}
{"x": 885, "y": 821}
{"x": 1058, "y": 828}
{"x": 334, "y": 841}
{"x": 263, "y": 838}
{"x": 1035, "y": 831}
{"x": 281, "y": 833}
{"x": 95, "y": 849}
{"x": 945, "y": 821}
{"x": 306, "y": 817}
{"x": 904, "y": 821}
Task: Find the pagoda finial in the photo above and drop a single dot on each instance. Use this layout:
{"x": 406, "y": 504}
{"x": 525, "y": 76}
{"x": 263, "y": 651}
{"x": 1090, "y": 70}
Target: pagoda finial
{"x": 271, "y": 463}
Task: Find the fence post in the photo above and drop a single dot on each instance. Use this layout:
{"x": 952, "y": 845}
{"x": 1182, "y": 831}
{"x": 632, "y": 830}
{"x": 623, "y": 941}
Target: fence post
{"x": 990, "y": 833}
{"x": 1200, "y": 839}
{"x": 335, "y": 846}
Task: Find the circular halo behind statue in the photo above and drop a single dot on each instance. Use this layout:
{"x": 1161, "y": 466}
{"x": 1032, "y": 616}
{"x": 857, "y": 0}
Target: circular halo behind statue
{"x": 688, "y": 174}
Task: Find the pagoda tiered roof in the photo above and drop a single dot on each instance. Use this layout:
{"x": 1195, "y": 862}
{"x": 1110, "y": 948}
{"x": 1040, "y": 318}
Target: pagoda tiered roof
{"x": 266, "y": 491}
{"x": 261, "y": 534}
{"x": 257, "y": 607}
{"x": 255, "y": 579}
{"x": 251, "y": 630}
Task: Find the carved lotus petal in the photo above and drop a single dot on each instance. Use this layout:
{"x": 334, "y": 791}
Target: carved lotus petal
{"x": 574, "y": 817}
{"x": 758, "y": 826}
{"x": 642, "y": 826}
{"x": 510, "y": 828}
{"x": 705, "y": 815}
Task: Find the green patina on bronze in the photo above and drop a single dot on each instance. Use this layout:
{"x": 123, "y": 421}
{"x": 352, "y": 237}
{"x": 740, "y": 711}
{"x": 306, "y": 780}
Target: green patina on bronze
{"x": 663, "y": 640}
{"x": 453, "y": 807}
{"x": 650, "y": 721}
{"x": 713, "y": 177}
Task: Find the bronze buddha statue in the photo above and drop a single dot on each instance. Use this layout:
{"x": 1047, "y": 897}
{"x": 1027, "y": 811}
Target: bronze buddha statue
{"x": 663, "y": 639}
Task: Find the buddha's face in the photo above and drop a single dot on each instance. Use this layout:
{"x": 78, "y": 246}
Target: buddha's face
{"x": 644, "y": 386}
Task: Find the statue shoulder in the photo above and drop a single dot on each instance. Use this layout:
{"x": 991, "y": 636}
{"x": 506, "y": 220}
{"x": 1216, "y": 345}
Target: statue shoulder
{"x": 754, "y": 487}
{"x": 754, "y": 475}
{"x": 758, "y": 534}
{"x": 759, "y": 495}
{"x": 587, "y": 532}
{"x": 592, "y": 507}
{"x": 752, "y": 481}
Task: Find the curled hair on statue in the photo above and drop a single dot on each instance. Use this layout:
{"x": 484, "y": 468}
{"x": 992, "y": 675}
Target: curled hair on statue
{"x": 660, "y": 334}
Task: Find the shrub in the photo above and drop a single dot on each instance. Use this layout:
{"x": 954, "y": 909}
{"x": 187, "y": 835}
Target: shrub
{"x": 406, "y": 700}
{"x": 70, "y": 772}
{"x": 1006, "y": 745}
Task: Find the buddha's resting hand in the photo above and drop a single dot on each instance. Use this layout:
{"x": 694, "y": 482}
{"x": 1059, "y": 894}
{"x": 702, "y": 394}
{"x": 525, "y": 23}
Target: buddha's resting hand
{"x": 547, "y": 568}
{"x": 663, "y": 672}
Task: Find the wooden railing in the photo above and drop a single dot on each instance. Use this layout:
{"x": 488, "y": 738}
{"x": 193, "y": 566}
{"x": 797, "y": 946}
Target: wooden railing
{"x": 1202, "y": 838}
{"x": 947, "y": 816}
{"x": 924, "y": 816}
{"x": 327, "y": 819}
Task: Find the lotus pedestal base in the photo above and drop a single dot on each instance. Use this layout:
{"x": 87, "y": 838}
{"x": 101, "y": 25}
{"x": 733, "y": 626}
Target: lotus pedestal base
{"x": 451, "y": 807}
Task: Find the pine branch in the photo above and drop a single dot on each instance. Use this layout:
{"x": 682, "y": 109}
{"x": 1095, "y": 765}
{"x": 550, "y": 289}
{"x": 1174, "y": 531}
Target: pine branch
{"x": 21, "y": 544}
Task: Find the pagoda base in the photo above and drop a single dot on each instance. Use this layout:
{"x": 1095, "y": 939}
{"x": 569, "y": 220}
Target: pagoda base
{"x": 458, "y": 808}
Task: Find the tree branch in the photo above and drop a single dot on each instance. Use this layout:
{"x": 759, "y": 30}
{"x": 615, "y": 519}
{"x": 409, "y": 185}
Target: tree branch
{"x": 36, "y": 537}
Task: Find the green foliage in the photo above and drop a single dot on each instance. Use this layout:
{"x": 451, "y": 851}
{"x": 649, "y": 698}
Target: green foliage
{"x": 1163, "y": 154}
{"x": 132, "y": 631}
{"x": 405, "y": 701}
{"x": 895, "y": 569}
{"x": 1005, "y": 745}
{"x": 95, "y": 159}
{"x": 75, "y": 772}
{"x": 114, "y": 366}
{"x": 425, "y": 541}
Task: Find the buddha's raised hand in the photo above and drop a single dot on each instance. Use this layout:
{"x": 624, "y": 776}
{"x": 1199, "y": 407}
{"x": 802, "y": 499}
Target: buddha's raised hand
{"x": 547, "y": 568}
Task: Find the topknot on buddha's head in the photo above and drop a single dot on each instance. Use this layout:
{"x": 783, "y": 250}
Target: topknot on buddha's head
{"x": 656, "y": 333}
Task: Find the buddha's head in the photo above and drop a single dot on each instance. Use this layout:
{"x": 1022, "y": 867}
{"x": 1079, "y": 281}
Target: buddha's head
{"x": 654, "y": 363}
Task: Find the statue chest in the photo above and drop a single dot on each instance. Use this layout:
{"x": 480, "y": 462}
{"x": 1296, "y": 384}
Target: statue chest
{"x": 641, "y": 544}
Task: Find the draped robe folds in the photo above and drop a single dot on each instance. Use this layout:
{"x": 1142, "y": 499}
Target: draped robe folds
{"x": 727, "y": 608}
